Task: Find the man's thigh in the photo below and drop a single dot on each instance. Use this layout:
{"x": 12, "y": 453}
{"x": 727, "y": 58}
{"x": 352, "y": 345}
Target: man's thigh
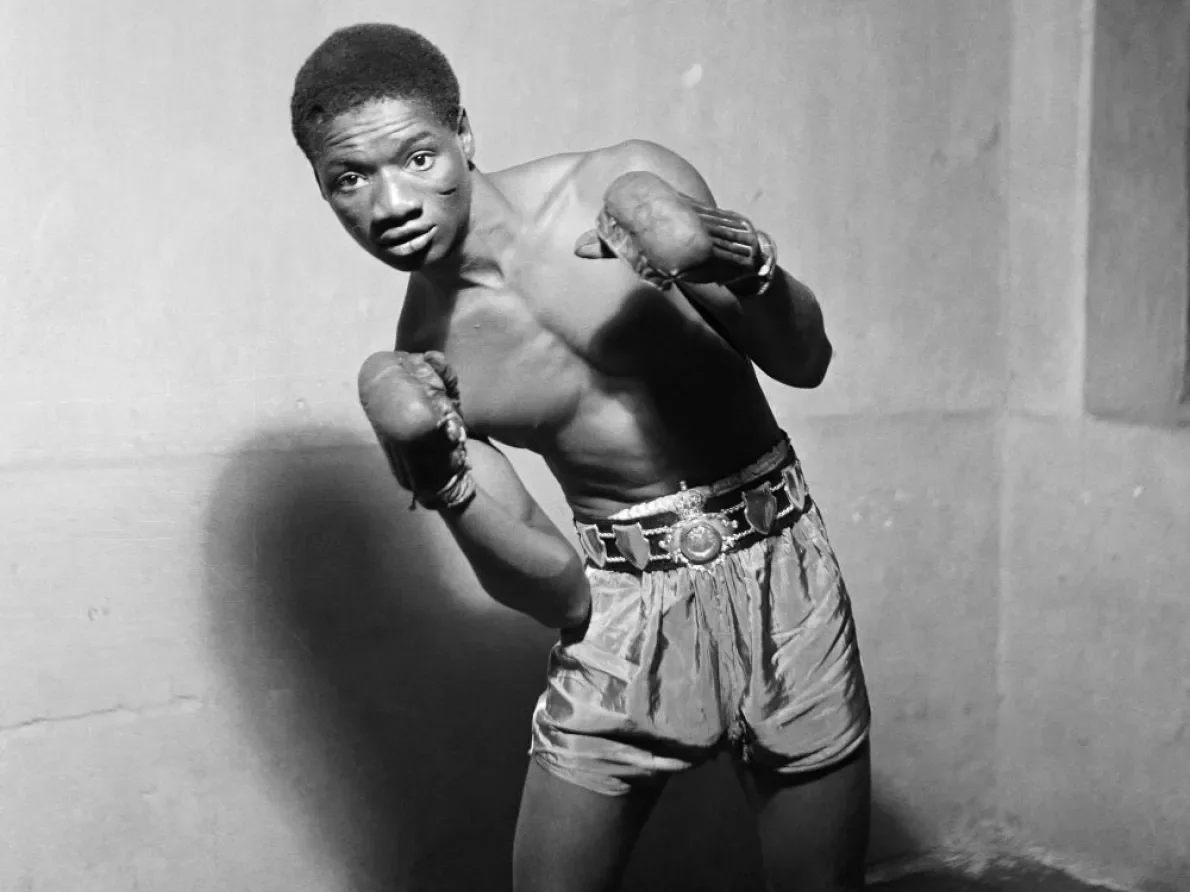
{"x": 571, "y": 839}
{"x": 814, "y": 827}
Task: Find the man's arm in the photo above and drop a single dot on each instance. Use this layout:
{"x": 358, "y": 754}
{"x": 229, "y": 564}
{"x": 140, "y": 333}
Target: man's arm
{"x": 520, "y": 558}
{"x": 781, "y": 330}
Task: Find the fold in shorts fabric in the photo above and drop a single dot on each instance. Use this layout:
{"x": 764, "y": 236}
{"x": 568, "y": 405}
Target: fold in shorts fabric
{"x": 757, "y": 653}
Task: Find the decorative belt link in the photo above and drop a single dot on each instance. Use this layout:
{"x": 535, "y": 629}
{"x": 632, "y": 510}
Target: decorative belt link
{"x": 697, "y": 538}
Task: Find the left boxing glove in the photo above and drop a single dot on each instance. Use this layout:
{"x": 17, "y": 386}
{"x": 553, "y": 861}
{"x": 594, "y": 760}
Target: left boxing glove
{"x": 412, "y": 402}
{"x": 666, "y": 236}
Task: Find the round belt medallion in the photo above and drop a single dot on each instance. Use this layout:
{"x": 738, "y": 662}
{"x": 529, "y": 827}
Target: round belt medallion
{"x": 700, "y": 542}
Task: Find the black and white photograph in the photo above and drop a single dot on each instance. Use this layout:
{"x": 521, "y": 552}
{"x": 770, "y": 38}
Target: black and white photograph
{"x": 595, "y": 446}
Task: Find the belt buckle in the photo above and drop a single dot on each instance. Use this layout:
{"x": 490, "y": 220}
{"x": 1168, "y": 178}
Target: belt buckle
{"x": 697, "y": 538}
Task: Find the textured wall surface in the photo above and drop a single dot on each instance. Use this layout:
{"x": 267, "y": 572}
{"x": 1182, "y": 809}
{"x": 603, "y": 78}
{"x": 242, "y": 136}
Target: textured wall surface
{"x": 1094, "y": 727}
{"x": 230, "y": 658}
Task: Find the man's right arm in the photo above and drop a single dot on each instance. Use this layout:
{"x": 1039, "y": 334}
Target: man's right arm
{"x": 519, "y": 556}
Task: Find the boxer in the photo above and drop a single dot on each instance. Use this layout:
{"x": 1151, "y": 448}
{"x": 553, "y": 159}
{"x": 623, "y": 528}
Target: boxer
{"x": 600, "y": 309}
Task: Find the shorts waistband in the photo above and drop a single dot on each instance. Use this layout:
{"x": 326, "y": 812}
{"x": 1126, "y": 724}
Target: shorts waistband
{"x": 777, "y": 456}
{"x": 700, "y": 525}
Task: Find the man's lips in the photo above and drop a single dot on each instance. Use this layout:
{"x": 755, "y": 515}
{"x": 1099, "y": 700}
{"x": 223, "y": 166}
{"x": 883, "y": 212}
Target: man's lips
{"x": 404, "y": 245}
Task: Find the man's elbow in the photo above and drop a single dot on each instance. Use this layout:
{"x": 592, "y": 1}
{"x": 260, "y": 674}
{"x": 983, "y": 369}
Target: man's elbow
{"x": 805, "y": 371}
{"x": 570, "y": 598}
{"x": 561, "y": 601}
{"x": 816, "y": 371}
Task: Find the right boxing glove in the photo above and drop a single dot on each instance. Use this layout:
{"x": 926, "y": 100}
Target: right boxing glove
{"x": 412, "y": 402}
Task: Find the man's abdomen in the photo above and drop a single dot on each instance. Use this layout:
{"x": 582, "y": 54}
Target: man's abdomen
{"x": 628, "y": 447}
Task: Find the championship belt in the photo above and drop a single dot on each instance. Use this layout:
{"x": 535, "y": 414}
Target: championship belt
{"x": 695, "y": 529}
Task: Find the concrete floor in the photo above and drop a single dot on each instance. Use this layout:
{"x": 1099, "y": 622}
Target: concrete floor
{"x": 1018, "y": 878}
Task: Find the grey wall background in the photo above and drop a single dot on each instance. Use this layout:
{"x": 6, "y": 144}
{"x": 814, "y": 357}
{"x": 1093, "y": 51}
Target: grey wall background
{"x": 231, "y": 659}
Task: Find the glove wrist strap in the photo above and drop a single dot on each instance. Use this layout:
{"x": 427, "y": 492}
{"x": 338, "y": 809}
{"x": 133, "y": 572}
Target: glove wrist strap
{"x": 455, "y": 495}
{"x": 757, "y": 283}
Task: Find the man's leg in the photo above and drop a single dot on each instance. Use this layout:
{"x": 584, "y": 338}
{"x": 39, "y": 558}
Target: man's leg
{"x": 813, "y": 827}
{"x": 571, "y": 839}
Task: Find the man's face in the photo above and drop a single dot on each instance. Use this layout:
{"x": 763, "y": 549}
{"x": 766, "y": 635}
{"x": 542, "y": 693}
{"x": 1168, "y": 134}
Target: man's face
{"x": 398, "y": 180}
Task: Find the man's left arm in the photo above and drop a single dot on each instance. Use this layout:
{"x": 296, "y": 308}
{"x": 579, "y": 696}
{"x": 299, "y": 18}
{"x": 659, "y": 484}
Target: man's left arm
{"x": 716, "y": 257}
{"x": 781, "y": 330}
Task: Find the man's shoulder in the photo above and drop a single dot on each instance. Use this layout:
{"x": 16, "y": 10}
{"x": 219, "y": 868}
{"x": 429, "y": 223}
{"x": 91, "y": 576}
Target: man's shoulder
{"x": 531, "y": 185}
{"x": 600, "y": 166}
{"x": 604, "y": 165}
{"x": 585, "y": 175}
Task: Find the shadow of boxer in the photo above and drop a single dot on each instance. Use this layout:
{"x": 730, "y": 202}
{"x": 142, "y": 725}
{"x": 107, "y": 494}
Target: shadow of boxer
{"x": 389, "y": 698}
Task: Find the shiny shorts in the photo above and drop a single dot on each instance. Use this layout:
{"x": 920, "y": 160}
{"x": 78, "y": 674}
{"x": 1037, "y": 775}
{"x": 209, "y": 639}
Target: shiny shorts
{"x": 755, "y": 653}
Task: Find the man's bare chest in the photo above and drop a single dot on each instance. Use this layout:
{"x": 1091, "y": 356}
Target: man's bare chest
{"x": 518, "y": 379}
{"x": 534, "y": 356}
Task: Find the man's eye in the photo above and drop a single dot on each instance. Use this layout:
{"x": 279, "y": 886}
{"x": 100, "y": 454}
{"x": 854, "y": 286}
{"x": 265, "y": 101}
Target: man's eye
{"x": 348, "y": 182}
{"x": 422, "y": 161}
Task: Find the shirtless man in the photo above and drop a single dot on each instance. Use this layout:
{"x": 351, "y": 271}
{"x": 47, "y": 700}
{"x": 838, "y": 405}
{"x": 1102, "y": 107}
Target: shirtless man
{"x": 598, "y": 309}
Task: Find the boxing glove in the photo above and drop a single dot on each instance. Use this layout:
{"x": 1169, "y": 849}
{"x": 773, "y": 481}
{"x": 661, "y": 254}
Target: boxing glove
{"x": 412, "y": 403}
{"x": 667, "y": 236}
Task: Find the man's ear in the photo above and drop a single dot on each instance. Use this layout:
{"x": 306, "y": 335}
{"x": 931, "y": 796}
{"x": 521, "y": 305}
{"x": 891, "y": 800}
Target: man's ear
{"x": 466, "y": 137}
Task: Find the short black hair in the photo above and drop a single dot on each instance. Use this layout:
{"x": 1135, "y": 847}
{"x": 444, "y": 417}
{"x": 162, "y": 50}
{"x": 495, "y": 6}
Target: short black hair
{"x": 362, "y": 63}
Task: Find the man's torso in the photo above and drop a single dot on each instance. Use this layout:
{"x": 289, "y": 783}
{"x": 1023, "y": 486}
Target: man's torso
{"x": 624, "y": 389}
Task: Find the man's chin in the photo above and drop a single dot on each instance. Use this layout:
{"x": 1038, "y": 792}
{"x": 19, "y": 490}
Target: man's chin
{"x": 405, "y": 263}
{"x": 411, "y": 264}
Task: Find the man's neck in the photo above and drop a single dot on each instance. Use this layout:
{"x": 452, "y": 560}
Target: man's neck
{"x": 481, "y": 261}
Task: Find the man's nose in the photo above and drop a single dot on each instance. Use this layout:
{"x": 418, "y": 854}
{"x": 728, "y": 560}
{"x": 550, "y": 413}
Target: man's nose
{"x": 394, "y": 199}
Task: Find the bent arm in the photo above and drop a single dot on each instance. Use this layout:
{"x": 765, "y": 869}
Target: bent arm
{"x": 782, "y": 330}
{"x": 519, "y": 556}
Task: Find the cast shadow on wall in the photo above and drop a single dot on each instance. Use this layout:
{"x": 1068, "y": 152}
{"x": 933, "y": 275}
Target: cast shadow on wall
{"x": 391, "y": 701}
